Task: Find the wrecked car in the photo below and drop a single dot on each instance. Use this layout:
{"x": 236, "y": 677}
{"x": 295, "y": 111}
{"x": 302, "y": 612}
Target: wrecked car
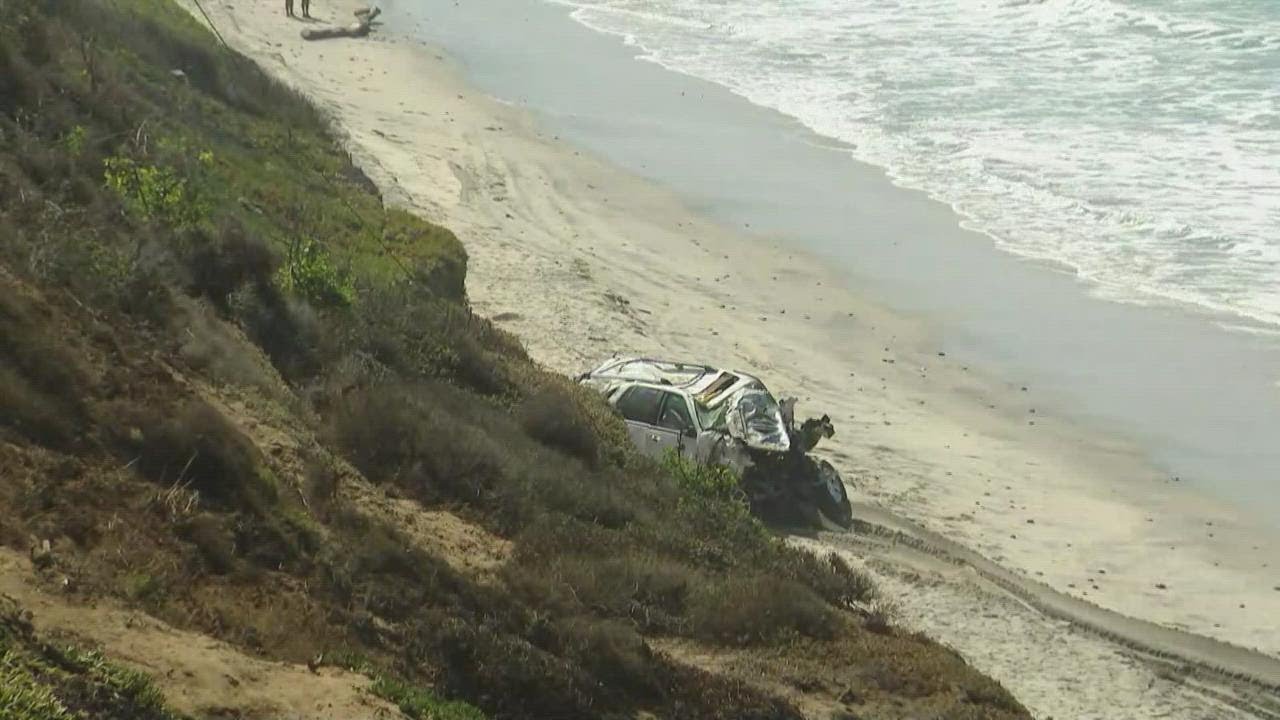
{"x": 729, "y": 418}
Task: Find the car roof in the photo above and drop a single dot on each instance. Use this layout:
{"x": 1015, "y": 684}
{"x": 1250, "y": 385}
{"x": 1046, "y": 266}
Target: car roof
{"x": 700, "y": 375}
{"x": 677, "y": 389}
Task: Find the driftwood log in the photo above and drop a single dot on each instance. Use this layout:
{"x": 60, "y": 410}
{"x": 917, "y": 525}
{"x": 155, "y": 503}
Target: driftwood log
{"x": 360, "y": 28}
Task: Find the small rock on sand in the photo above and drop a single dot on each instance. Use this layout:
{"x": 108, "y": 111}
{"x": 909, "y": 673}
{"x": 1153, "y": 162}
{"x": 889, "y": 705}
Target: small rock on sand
{"x": 1161, "y": 586}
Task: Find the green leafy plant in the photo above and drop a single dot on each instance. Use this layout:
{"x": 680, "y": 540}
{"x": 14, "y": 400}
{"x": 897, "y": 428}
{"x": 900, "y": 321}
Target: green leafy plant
{"x": 704, "y": 483}
{"x": 123, "y": 681}
{"x": 154, "y": 193}
{"x": 74, "y": 140}
{"x": 712, "y": 500}
{"x": 22, "y": 697}
{"x": 45, "y": 681}
{"x": 309, "y": 271}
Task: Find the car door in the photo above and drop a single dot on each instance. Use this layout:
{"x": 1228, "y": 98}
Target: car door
{"x": 642, "y": 407}
{"x": 676, "y": 428}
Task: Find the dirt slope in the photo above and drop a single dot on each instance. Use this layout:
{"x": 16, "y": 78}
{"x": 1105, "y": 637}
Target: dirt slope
{"x": 198, "y": 675}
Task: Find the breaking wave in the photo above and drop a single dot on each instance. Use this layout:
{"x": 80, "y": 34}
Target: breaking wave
{"x": 1136, "y": 141}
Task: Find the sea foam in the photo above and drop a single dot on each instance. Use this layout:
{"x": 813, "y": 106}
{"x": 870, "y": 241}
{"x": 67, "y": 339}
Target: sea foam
{"x": 1137, "y": 142}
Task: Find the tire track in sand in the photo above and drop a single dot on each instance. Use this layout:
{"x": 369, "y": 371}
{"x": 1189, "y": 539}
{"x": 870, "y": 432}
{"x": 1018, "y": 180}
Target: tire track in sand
{"x": 1244, "y": 678}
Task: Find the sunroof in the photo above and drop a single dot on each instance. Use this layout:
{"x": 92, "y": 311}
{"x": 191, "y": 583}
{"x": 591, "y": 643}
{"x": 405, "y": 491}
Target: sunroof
{"x": 722, "y": 383}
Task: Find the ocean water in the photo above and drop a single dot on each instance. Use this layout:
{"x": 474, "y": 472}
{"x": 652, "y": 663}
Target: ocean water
{"x": 1136, "y": 142}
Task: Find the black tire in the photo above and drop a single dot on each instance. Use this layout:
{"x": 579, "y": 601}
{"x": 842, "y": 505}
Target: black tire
{"x": 830, "y": 496}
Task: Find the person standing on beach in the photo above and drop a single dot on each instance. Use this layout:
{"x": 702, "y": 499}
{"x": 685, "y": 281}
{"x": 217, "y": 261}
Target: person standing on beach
{"x": 288, "y": 8}
{"x": 306, "y": 9}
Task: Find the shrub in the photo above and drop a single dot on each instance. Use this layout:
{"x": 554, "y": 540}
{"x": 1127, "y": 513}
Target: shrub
{"x": 213, "y": 540}
{"x": 320, "y": 483}
{"x": 552, "y": 418}
{"x": 155, "y": 193}
{"x": 42, "y": 378}
{"x": 38, "y": 416}
{"x": 882, "y": 617}
{"x": 215, "y": 348}
{"x": 514, "y": 677}
{"x": 652, "y": 593}
{"x": 377, "y": 568}
{"x": 309, "y": 271}
{"x": 716, "y": 516}
{"x": 829, "y": 576}
{"x": 614, "y": 653}
{"x": 287, "y": 329}
{"x": 429, "y": 438}
{"x": 759, "y": 609}
{"x": 73, "y": 142}
{"x": 143, "y": 587}
{"x": 195, "y": 445}
{"x": 420, "y": 703}
{"x": 419, "y": 335}
{"x": 704, "y": 484}
{"x": 20, "y": 83}
{"x": 231, "y": 258}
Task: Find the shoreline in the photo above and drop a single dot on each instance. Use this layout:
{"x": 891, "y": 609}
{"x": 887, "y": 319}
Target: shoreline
{"x": 552, "y": 234}
{"x": 1151, "y": 374}
{"x": 942, "y": 440}
{"x": 674, "y": 55}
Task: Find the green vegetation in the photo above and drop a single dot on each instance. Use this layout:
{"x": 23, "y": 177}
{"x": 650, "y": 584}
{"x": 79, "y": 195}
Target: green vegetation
{"x": 155, "y": 194}
{"x": 211, "y": 326}
{"x": 41, "y": 681}
{"x": 416, "y": 702}
{"x": 421, "y": 704}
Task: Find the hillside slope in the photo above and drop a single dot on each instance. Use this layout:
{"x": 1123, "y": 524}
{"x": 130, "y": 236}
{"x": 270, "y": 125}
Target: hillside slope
{"x": 241, "y": 397}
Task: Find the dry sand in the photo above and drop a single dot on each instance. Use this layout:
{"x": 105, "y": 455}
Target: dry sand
{"x": 581, "y": 260}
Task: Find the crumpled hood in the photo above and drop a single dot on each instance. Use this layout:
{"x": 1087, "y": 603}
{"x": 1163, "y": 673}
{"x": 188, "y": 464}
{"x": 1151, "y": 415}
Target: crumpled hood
{"x": 755, "y": 418}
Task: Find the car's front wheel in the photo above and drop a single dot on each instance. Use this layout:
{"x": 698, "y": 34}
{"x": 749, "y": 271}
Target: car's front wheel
{"x": 830, "y": 496}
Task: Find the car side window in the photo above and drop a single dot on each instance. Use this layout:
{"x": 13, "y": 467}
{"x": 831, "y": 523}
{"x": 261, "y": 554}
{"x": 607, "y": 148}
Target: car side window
{"x": 641, "y": 404}
{"x": 675, "y": 413}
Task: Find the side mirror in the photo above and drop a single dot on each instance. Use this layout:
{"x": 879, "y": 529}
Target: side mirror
{"x": 691, "y": 433}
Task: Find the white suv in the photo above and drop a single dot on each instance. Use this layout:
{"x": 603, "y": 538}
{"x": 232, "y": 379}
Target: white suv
{"x": 727, "y": 418}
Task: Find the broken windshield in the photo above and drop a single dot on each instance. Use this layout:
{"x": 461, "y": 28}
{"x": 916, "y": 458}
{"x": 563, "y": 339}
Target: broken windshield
{"x": 755, "y": 418}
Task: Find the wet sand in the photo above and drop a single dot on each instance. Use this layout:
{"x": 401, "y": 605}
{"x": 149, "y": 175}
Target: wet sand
{"x": 582, "y": 259}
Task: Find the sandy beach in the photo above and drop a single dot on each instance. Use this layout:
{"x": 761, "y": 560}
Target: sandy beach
{"x": 582, "y": 260}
